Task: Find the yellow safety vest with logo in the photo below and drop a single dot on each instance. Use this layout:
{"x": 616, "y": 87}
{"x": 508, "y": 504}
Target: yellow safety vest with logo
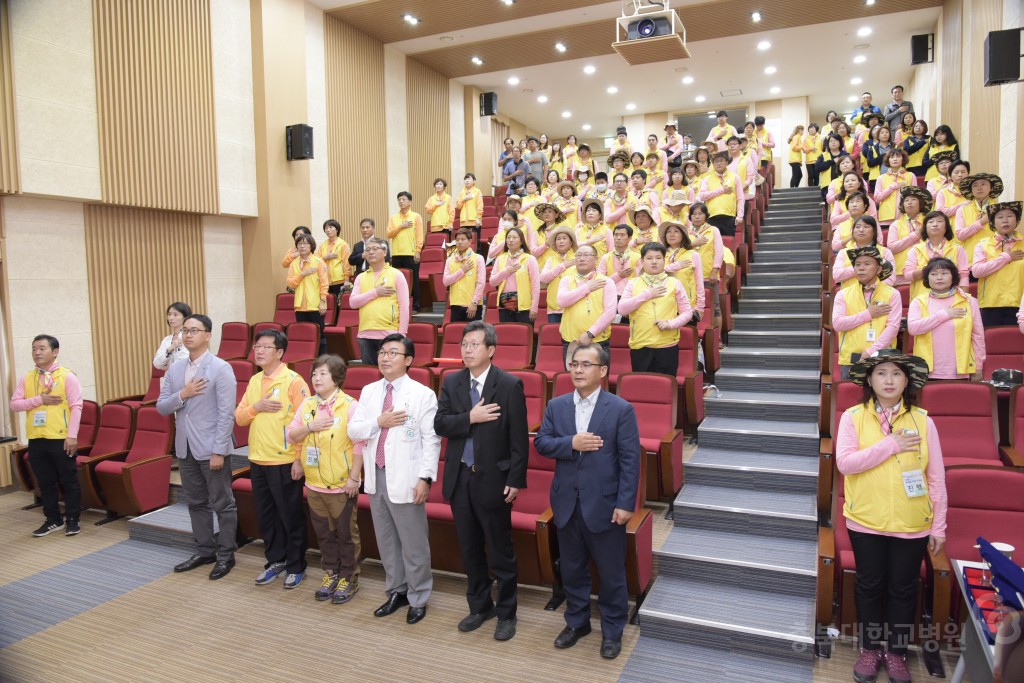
{"x": 58, "y": 416}
{"x": 523, "y": 286}
{"x": 331, "y": 450}
{"x": 962, "y": 330}
{"x": 462, "y": 290}
{"x": 643, "y": 332}
{"x": 856, "y": 340}
{"x": 381, "y": 313}
{"x": 1002, "y": 288}
{"x": 579, "y": 317}
{"x": 268, "y": 432}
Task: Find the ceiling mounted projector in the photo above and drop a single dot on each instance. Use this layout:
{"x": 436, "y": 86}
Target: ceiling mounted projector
{"x": 649, "y": 33}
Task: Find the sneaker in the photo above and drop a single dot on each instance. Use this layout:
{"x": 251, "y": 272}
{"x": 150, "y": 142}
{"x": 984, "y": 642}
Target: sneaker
{"x": 293, "y": 580}
{"x": 48, "y": 528}
{"x": 896, "y": 667}
{"x": 73, "y": 528}
{"x": 346, "y": 591}
{"x": 327, "y": 587}
{"x": 269, "y": 575}
{"x": 866, "y": 668}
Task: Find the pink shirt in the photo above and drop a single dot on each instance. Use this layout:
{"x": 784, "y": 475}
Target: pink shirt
{"x": 961, "y": 265}
{"x": 707, "y": 195}
{"x": 629, "y": 303}
{"x": 940, "y": 324}
{"x": 357, "y": 446}
{"x": 843, "y": 271}
{"x": 511, "y": 283}
{"x": 698, "y": 276}
{"x": 358, "y": 299}
{"x": 1020, "y": 315}
{"x": 983, "y": 266}
{"x": 72, "y": 391}
{"x": 620, "y": 263}
{"x": 844, "y": 323}
{"x": 951, "y": 211}
{"x": 849, "y": 460}
{"x": 960, "y": 227}
{"x": 450, "y": 278}
{"x": 716, "y": 240}
{"x": 567, "y": 296}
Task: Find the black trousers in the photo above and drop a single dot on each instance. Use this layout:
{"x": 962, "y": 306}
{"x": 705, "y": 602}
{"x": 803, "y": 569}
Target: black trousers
{"x": 648, "y": 359}
{"x": 726, "y": 224}
{"x": 485, "y": 533}
{"x": 998, "y": 315}
{"x": 798, "y": 174}
{"x": 812, "y": 175}
{"x": 460, "y": 315}
{"x": 887, "y": 572}
{"x": 507, "y": 316}
{"x": 280, "y": 513}
{"x": 368, "y": 349}
{"x": 314, "y": 317}
{"x": 410, "y": 263}
{"x": 52, "y": 466}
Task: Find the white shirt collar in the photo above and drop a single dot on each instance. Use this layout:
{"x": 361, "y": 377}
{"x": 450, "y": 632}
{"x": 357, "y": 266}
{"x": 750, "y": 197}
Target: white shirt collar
{"x": 396, "y": 385}
{"x": 482, "y": 379}
{"x": 592, "y": 399}
{"x": 199, "y": 360}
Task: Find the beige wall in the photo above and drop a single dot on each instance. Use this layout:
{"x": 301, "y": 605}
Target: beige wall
{"x": 395, "y": 113}
{"x": 457, "y": 133}
{"x": 316, "y": 116}
{"x": 225, "y": 271}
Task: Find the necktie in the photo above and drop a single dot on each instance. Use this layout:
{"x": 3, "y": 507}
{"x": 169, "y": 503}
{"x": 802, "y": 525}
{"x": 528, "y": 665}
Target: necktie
{"x": 474, "y": 398}
{"x": 389, "y": 399}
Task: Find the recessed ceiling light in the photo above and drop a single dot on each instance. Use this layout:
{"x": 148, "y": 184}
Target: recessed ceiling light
{"x": 508, "y": 3}
{"x": 712, "y": 112}
{"x": 561, "y": 47}
{"x": 477, "y": 61}
{"x": 542, "y": 98}
{"x": 856, "y": 80}
{"x": 776, "y": 90}
{"x": 770, "y": 70}
{"x": 566, "y": 114}
{"x": 630, "y": 106}
{"x": 589, "y": 69}
{"x": 860, "y": 59}
{"x": 512, "y": 80}
{"x": 687, "y": 80}
{"x": 612, "y": 90}
{"x": 869, "y": 2}
{"x": 851, "y": 98}
{"x": 864, "y": 32}
{"x": 586, "y": 126}
{"x": 764, "y": 45}
{"x": 411, "y": 20}
{"x": 711, "y": 116}
{"x": 755, "y": 17}
{"x": 699, "y": 98}
{"x": 447, "y": 39}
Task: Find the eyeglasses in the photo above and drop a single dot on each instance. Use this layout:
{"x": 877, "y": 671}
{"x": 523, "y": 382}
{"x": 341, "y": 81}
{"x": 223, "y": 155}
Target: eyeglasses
{"x": 471, "y": 346}
{"x": 190, "y": 331}
{"x": 389, "y": 354}
{"x": 263, "y": 348}
{"x": 373, "y": 249}
{"x": 584, "y": 365}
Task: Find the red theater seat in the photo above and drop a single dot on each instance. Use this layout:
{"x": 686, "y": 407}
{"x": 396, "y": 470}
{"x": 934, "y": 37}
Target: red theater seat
{"x": 234, "y": 340}
{"x": 357, "y": 377}
{"x": 535, "y": 386}
{"x": 515, "y": 346}
{"x": 303, "y": 342}
{"x": 243, "y": 370}
{"x": 966, "y": 419}
{"x": 424, "y": 337}
{"x": 1004, "y": 348}
{"x": 845, "y": 394}
{"x": 550, "y": 358}
{"x": 690, "y": 380}
{"x": 149, "y": 398}
{"x": 284, "y": 311}
{"x": 113, "y": 436}
{"x": 655, "y": 399}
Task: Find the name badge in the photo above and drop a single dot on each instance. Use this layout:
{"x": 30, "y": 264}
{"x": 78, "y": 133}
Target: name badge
{"x": 312, "y": 456}
{"x": 872, "y": 334}
{"x": 275, "y": 392}
{"x": 913, "y": 482}
{"x": 39, "y": 419}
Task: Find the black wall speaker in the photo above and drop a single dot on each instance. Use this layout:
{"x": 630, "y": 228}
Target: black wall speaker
{"x": 1002, "y": 57}
{"x": 298, "y": 141}
{"x": 488, "y": 103}
{"x": 921, "y": 48}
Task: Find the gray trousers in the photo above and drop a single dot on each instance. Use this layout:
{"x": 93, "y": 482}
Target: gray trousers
{"x": 401, "y": 530}
{"x": 208, "y": 491}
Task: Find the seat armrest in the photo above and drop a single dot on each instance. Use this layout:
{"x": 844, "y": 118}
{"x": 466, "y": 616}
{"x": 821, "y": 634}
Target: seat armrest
{"x": 941, "y": 588}
{"x": 1011, "y": 456}
{"x": 546, "y": 550}
{"x": 825, "y": 446}
{"x": 147, "y": 461}
{"x": 671, "y": 443}
{"x": 122, "y": 399}
{"x": 826, "y": 575}
{"x": 638, "y": 519}
{"x": 93, "y": 459}
{"x": 239, "y": 473}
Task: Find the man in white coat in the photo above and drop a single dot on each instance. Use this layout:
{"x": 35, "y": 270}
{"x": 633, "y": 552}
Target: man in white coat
{"x": 395, "y": 417}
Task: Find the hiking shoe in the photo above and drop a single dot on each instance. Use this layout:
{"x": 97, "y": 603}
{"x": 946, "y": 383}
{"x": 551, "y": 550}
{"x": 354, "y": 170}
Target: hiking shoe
{"x": 327, "y": 586}
{"x": 72, "y": 528}
{"x": 345, "y": 592}
{"x": 293, "y": 580}
{"x": 866, "y": 668}
{"x": 48, "y": 528}
{"x": 896, "y": 667}
{"x": 270, "y": 574}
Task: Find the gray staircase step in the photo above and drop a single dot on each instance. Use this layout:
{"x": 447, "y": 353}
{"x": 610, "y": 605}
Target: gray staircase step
{"x": 801, "y": 339}
{"x": 725, "y": 657}
{"x": 771, "y": 513}
{"x": 758, "y": 405}
{"x": 759, "y": 278}
{"x": 435, "y": 318}
{"x": 763, "y": 358}
{"x": 778, "y": 321}
{"x": 812, "y": 291}
{"x": 768, "y": 379}
{"x": 776, "y": 237}
{"x": 802, "y": 305}
{"x": 804, "y": 265}
{"x": 785, "y": 224}
{"x": 786, "y": 556}
{"x": 809, "y": 247}
{"x": 752, "y": 471}
{"x": 771, "y": 436}
{"x": 789, "y": 258}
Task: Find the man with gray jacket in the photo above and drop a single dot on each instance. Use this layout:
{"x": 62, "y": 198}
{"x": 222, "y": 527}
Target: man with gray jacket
{"x": 895, "y": 110}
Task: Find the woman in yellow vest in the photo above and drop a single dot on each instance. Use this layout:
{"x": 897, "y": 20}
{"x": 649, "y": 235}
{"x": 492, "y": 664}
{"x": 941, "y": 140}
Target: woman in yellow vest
{"x": 916, "y": 145}
{"x": 537, "y": 244}
{"x": 863, "y": 235}
{"x": 703, "y": 159}
{"x": 517, "y": 278}
{"x": 657, "y": 307}
{"x": 895, "y": 487}
{"x": 593, "y": 231}
{"x": 549, "y": 190}
{"x": 875, "y": 149}
{"x": 510, "y": 219}
{"x": 811, "y": 148}
{"x": 556, "y": 160}
{"x": 860, "y": 335}
{"x": 567, "y": 202}
{"x": 945, "y": 322}
{"x": 293, "y": 252}
{"x": 949, "y": 198}
{"x": 570, "y": 155}
{"x": 332, "y": 465}
{"x": 943, "y": 140}
{"x": 847, "y": 211}
{"x": 942, "y": 162}
{"x": 936, "y": 242}
{"x": 562, "y": 241}
{"x": 827, "y": 161}
{"x": 308, "y": 277}
{"x": 796, "y": 156}
{"x": 335, "y": 252}
{"x": 906, "y": 231}
{"x": 464, "y": 276}
{"x": 706, "y": 239}
{"x": 890, "y": 184}
{"x": 440, "y": 208}
{"x": 531, "y": 200}
{"x": 999, "y": 266}
{"x": 683, "y": 262}
{"x": 844, "y": 165}
{"x": 470, "y": 204}
{"x": 979, "y": 189}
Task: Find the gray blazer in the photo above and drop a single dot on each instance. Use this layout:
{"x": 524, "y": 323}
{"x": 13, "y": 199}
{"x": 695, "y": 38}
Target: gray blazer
{"x": 203, "y": 423}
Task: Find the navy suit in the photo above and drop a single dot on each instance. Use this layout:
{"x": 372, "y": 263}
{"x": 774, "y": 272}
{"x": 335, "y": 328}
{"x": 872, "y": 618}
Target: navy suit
{"x": 586, "y": 490}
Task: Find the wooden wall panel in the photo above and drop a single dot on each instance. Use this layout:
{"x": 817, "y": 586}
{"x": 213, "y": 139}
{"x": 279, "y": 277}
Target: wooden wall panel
{"x": 428, "y": 117}
{"x": 9, "y": 183}
{"x": 949, "y": 83}
{"x": 140, "y": 261}
{"x": 154, "y": 92}
{"x": 356, "y": 130}
{"x": 985, "y": 103}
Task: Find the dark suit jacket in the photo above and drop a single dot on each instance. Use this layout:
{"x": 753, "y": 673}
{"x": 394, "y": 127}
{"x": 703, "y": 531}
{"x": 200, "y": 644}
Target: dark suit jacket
{"x": 602, "y": 480}
{"x": 501, "y": 449}
{"x": 356, "y": 257}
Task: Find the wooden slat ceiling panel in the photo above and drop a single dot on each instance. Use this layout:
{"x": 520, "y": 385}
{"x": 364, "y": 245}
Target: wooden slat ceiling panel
{"x": 703, "y": 22}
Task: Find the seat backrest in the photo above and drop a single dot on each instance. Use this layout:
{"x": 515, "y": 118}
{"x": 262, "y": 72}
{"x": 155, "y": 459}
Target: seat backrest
{"x": 284, "y": 311}
{"x": 153, "y": 391}
{"x": 244, "y": 370}
{"x": 115, "y": 429}
{"x": 983, "y": 501}
{"x": 536, "y": 497}
{"x": 549, "y": 350}
{"x": 331, "y": 316}
{"x": 422, "y": 375}
{"x": 688, "y": 343}
{"x": 1016, "y": 418}
{"x": 357, "y": 377}
{"x": 153, "y": 434}
{"x": 654, "y": 397}
{"x": 304, "y": 368}
{"x": 347, "y": 316}
{"x": 256, "y": 329}
{"x": 407, "y": 274}
{"x": 965, "y": 416}
{"x": 451, "y": 341}
{"x": 303, "y": 341}
{"x": 515, "y": 346}
{"x": 424, "y": 336}
{"x": 845, "y": 395}
{"x": 88, "y": 424}
{"x": 1004, "y": 348}
{"x": 491, "y": 306}
{"x": 621, "y": 361}
{"x": 535, "y": 386}
{"x": 234, "y": 340}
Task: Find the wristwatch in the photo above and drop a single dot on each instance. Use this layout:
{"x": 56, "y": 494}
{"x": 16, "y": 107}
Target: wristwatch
{"x": 589, "y": 334}
{"x": 429, "y": 480}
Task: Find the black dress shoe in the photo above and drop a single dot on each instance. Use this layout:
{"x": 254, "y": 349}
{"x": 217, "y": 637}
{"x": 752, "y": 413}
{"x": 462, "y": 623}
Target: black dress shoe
{"x": 193, "y": 562}
{"x": 505, "y": 629}
{"x": 221, "y": 569}
{"x": 475, "y": 621}
{"x": 415, "y": 614}
{"x": 395, "y": 600}
{"x": 568, "y": 637}
{"x": 610, "y": 649}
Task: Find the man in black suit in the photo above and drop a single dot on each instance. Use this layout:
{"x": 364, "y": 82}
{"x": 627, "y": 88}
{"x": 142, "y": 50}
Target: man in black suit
{"x": 355, "y": 259}
{"x": 482, "y": 412}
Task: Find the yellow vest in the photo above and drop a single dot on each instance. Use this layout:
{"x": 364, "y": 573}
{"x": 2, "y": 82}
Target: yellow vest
{"x": 762, "y": 135}
{"x": 58, "y": 417}
{"x": 268, "y": 432}
{"x": 335, "y": 448}
{"x": 461, "y": 292}
{"x": 611, "y": 264}
{"x": 949, "y": 250}
{"x": 903, "y": 228}
{"x": 568, "y": 207}
{"x": 856, "y": 340}
{"x": 933, "y": 170}
{"x": 1002, "y": 288}
{"x": 826, "y": 176}
{"x": 682, "y": 217}
{"x": 917, "y": 158}
{"x": 814, "y": 143}
{"x": 877, "y": 499}
{"x": 887, "y": 209}
{"x": 552, "y": 287}
{"x": 706, "y": 251}
{"x": 952, "y": 198}
{"x": 307, "y": 294}
{"x": 643, "y": 332}
{"x": 972, "y": 212}
{"x": 522, "y": 276}
{"x": 584, "y": 232}
{"x": 336, "y": 267}
{"x": 381, "y": 313}
{"x": 962, "y": 329}
{"x": 579, "y": 317}
{"x": 440, "y": 216}
{"x": 468, "y": 212}
{"x": 723, "y": 204}
{"x": 404, "y": 243}
{"x": 686, "y": 276}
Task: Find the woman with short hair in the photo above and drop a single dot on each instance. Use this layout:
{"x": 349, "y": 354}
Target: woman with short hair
{"x": 308, "y": 277}
{"x": 517, "y": 278}
{"x": 945, "y": 322}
